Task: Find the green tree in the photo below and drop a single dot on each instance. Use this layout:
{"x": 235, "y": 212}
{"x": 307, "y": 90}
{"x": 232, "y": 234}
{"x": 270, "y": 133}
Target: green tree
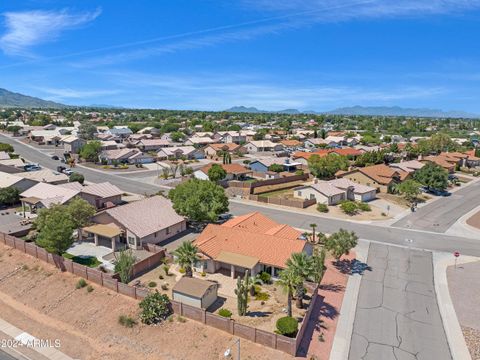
{"x": 87, "y": 131}
{"x": 55, "y": 229}
{"x": 124, "y": 262}
{"x": 80, "y": 212}
{"x": 14, "y": 129}
{"x": 318, "y": 261}
{"x": 91, "y": 150}
{"x": 9, "y": 195}
{"x": 6, "y": 147}
{"x": 186, "y": 255}
{"x": 155, "y": 307}
{"x": 313, "y": 226}
{"x": 325, "y": 167}
{"x": 199, "y": 200}
{"x": 433, "y": 176}
{"x": 410, "y": 189}
{"x": 275, "y": 168}
{"x": 177, "y": 136}
{"x": 289, "y": 280}
{"x": 302, "y": 265}
{"x": 216, "y": 173}
{"x": 349, "y": 207}
{"x": 341, "y": 242}
{"x": 77, "y": 177}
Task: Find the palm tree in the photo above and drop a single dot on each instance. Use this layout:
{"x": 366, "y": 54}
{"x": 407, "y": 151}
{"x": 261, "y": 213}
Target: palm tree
{"x": 254, "y": 280}
{"x": 313, "y": 226}
{"x": 289, "y": 280}
{"x": 302, "y": 265}
{"x": 186, "y": 255}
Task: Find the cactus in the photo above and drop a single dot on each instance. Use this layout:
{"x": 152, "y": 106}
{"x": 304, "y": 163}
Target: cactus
{"x": 242, "y": 294}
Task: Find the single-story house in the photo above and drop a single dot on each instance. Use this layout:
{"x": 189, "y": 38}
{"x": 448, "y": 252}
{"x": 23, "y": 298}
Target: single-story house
{"x": 125, "y": 156}
{"x": 213, "y": 150}
{"x": 43, "y": 195}
{"x": 291, "y": 143}
{"x": 120, "y": 131}
{"x": 45, "y": 176}
{"x": 262, "y": 145}
{"x": 250, "y": 242}
{"x": 195, "y": 292}
{"x": 409, "y": 166}
{"x": 447, "y": 163}
{"x": 151, "y": 220}
{"x": 323, "y": 192}
{"x": 13, "y": 180}
{"x": 199, "y": 141}
{"x": 152, "y": 144}
{"x": 234, "y": 171}
{"x": 355, "y": 191}
{"x": 262, "y": 165}
{"x": 71, "y": 144}
{"x": 381, "y": 177}
{"x": 100, "y": 195}
{"x": 177, "y": 152}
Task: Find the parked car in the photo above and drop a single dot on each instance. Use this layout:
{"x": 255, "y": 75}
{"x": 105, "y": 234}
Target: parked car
{"x": 32, "y": 167}
{"x": 68, "y": 172}
{"x": 60, "y": 169}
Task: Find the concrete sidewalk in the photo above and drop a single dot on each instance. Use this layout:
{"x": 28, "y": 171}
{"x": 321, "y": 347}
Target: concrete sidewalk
{"x": 27, "y": 341}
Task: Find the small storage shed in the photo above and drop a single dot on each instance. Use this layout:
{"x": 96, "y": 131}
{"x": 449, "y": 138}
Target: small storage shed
{"x": 195, "y": 292}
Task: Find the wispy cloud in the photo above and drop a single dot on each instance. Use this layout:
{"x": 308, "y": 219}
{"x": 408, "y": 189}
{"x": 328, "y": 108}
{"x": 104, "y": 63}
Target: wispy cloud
{"x": 288, "y": 15}
{"x": 60, "y": 94}
{"x": 216, "y": 91}
{"x": 30, "y": 28}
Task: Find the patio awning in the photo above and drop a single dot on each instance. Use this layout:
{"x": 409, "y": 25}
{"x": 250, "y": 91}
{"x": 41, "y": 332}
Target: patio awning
{"x": 245, "y": 261}
{"x": 31, "y": 200}
{"x": 108, "y": 231}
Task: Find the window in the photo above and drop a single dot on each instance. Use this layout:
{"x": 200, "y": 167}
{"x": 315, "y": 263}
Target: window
{"x": 131, "y": 240}
{"x": 167, "y": 230}
{"x": 299, "y": 193}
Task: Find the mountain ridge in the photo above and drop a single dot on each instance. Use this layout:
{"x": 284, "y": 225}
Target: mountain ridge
{"x": 13, "y": 99}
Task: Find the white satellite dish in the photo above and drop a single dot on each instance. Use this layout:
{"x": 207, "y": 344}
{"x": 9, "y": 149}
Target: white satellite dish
{"x": 227, "y": 353}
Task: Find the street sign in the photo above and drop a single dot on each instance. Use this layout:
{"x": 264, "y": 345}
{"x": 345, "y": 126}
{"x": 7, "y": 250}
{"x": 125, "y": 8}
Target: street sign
{"x": 456, "y": 254}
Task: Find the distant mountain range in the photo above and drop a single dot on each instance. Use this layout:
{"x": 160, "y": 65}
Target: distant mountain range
{"x": 11, "y": 99}
{"x": 367, "y": 110}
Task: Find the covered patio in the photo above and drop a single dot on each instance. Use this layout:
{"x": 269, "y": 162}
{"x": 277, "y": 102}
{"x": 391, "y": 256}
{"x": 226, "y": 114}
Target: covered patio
{"x": 238, "y": 263}
{"x": 30, "y": 205}
{"x": 102, "y": 234}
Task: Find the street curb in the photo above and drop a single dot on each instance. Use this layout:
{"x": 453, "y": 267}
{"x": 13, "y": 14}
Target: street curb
{"x": 461, "y": 225}
{"x": 453, "y": 331}
{"x": 343, "y": 335}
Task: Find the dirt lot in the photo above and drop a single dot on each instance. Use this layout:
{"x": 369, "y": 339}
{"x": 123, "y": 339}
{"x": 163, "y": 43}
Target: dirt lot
{"x": 44, "y": 302}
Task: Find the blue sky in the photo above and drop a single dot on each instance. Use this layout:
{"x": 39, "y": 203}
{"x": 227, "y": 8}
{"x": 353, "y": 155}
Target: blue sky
{"x": 272, "y": 54}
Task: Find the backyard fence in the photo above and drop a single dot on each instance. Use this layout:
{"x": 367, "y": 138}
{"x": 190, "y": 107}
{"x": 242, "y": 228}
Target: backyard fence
{"x": 296, "y": 203}
{"x": 96, "y": 276}
{"x": 266, "y": 338}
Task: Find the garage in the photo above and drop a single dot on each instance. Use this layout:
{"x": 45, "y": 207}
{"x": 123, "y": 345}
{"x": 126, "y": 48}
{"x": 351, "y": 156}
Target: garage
{"x": 195, "y": 292}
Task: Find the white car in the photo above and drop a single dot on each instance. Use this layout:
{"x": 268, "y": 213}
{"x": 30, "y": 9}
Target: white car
{"x": 68, "y": 172}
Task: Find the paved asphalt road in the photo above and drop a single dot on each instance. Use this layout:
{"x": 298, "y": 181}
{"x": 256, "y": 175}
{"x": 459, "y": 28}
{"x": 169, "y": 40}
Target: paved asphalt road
{"x": 5, "y": 356}
{"x": 440, "y": 215}
{"x": 403, "y": 237}
{"x": 392, "y": 235}
{"x": 397, "y": 313}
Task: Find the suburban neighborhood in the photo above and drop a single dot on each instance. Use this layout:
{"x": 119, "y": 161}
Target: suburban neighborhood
{"x": 239, "y": 180}
{"x": 276, "y": 241}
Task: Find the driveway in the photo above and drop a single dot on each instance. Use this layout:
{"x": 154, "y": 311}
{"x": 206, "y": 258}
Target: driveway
{"x": 397, "y": 314}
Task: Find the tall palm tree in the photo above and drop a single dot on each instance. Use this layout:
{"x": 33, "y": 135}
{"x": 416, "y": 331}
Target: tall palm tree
{"x": 289, "y": 280}
{"x": 302, "y": 265}
{"x": 186, "y": 255}
{"x": 313, "y": 226}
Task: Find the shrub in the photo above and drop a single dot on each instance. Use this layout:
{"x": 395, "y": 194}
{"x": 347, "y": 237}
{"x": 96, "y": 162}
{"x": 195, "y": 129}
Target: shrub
{"x": 383, "y": 214}
{"x": 287, "y": 326}
{"x": 160, "y": 277}
{"x": 126, "y": 321}
{"x": 225, "y": 313}
{"x": 265, "y": 277}
{"x": 322, "y": 208}
{"x": 89, "y": 288}
{"x": 203, "y": 274}
{"x": 81, "y": 284}
{"x": 263, "y": 296}
{"x": 364, "y": 206}
{"x": 181, "y": 270}
{"x": 349, "y": 207}
{"x": 164, "y": 287}
{"x": 155, "y": 307}
{"x": 152, "y": 284}
{"x": 181, "y": 319}
{"x": 166, "y": 268}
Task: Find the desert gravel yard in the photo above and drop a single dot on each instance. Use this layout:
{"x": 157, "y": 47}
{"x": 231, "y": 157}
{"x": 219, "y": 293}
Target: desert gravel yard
{"x": 42, "y": 301}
